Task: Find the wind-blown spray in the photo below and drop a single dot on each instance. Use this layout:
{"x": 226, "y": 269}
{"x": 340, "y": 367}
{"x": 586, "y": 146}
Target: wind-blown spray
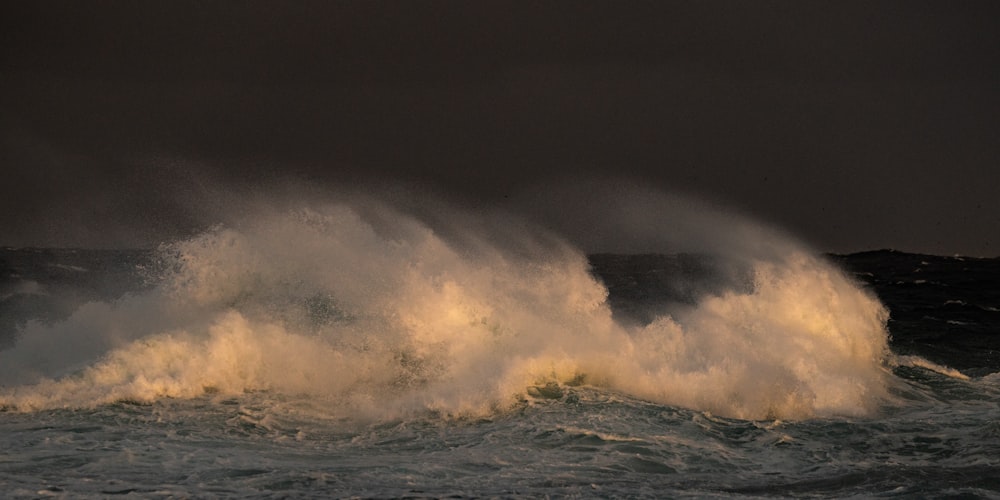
{"x": 377, "y": 313}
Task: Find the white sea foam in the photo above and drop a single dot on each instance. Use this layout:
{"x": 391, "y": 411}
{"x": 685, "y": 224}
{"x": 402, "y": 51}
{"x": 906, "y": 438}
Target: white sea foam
{"x": 919, "y": 362}
{"x": 374, "y": 312}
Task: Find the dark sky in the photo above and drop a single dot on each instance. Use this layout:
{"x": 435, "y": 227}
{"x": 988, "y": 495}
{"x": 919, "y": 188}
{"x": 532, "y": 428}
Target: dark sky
{"x": 856, "y": 125}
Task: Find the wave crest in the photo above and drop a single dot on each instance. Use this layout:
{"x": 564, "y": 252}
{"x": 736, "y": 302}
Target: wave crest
{"x": 382, "y": 315}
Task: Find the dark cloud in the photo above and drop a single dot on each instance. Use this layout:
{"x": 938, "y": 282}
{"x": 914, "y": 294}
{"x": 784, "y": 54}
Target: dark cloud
{"x": 855, "y": 125}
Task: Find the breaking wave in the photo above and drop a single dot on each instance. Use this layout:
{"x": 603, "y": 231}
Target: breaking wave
{"x": 374, "y": 312}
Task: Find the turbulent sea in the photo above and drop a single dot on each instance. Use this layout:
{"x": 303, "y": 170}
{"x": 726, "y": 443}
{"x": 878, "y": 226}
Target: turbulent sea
{"x": 337, "y": 353}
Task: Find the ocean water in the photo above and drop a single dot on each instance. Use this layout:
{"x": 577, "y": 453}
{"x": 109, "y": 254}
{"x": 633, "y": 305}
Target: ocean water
{"x": 340, "y": 352}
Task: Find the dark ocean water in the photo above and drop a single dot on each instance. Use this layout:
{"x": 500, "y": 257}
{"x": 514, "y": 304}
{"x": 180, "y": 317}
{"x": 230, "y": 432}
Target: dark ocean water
{"x": 942, "y": 308}
{"x": 206, "y": 370}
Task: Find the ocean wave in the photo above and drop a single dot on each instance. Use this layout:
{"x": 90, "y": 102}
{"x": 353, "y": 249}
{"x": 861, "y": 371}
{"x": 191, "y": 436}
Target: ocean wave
{"x": 385, "y": 314}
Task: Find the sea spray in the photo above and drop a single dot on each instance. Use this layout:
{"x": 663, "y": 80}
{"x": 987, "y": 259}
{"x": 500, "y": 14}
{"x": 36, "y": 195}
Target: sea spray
{"x": 804, "y": 341}
{"x": 376, "y": 313}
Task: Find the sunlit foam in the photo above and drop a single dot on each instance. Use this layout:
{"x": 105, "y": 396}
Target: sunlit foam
{"x": 919, "y": 362}
{"x": 385, "y": 317}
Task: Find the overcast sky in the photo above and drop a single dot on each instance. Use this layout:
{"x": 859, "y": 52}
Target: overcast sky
{"x": 856, "y": 125}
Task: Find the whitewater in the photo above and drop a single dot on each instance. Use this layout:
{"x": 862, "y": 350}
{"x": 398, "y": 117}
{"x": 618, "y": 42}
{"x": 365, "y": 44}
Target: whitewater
{"x": 363, "y": 350}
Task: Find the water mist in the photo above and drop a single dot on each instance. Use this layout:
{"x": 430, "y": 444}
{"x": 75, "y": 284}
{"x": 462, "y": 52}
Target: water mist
{"x": 369, "y": 310}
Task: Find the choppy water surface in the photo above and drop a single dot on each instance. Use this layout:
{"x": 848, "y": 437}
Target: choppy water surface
{"x": 587, "y": 442}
